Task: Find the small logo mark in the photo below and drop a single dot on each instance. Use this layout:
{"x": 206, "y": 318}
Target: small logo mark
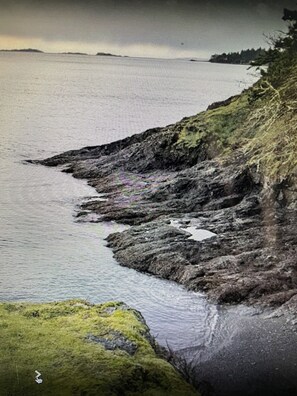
{"x": 37, "y": 378}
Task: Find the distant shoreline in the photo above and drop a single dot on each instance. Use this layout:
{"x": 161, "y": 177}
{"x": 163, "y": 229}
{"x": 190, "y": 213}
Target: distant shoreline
{"x": 113, "y": 55}
{"x": 23, "y": 50}
{"x": 99, "y": 54}
{"x": 34, "y": 50}
{"x": 107, "y": 54}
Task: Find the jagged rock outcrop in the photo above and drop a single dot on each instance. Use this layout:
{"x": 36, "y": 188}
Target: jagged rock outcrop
{"x": 230, "y": 170}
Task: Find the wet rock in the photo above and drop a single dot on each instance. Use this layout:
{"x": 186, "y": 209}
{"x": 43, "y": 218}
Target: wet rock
{"x": 148, "y": 180}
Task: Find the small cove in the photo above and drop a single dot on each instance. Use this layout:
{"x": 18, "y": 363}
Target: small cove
{"x": 49, "y": 106}
{"x": 52, "y": 103}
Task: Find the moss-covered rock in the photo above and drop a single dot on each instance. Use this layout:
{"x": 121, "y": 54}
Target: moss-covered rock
{"x": 81, "y": 349}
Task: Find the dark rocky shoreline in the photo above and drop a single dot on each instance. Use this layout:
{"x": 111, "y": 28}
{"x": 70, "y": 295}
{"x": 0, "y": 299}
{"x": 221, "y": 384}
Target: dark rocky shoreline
{"x": 149, "y": 180}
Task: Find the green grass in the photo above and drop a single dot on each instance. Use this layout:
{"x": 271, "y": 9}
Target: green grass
{"x": 273, "y": 147}
{"x": 260, "y": 124}
{"x": 51, "y": 338}
{"x": 214, "y": 128}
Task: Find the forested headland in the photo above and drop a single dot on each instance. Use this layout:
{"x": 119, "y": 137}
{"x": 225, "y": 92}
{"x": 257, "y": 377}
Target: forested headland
{"x": 244, "y": 57}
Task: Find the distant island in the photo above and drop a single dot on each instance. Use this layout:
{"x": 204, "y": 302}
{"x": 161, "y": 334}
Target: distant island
{"x": 74, "y": 53}
{"x": 108, "y": 54}
{"x": 23, "y": 50}
{"x": 244, "y": 57}
{"x": 62, "y": 53}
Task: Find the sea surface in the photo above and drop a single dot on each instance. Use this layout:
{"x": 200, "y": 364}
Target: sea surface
{"x": 52, "y": 103}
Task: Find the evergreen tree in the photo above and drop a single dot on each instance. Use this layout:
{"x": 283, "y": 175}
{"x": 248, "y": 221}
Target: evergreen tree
{"x": 242, "y": 57}
{"x": 282, "y": 53}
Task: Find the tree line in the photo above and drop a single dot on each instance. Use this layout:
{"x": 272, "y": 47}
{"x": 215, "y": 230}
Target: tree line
{"x": 244, "y": 57}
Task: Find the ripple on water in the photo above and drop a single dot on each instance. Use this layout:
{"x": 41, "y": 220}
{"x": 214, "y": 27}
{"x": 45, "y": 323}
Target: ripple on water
{"x": 47, "y": 255}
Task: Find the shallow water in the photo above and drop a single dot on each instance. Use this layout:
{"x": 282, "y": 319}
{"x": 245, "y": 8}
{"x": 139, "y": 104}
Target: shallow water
{"x": 52, "y": 103}
{"x": 195, "y": 233}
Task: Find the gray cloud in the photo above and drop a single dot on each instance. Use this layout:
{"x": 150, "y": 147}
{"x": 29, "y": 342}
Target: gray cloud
{"x": 209, "y": 26}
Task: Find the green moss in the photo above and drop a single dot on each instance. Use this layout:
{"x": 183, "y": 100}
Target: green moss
{"x": 215, "y": 128}
{"x": 53, "y": 339}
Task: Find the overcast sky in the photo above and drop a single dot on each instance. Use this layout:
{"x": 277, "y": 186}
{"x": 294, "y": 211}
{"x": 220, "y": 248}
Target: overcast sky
{"x": 164, "y": 28}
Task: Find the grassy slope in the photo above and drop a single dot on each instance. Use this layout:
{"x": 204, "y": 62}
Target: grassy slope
{"x": 51, "y": 338}
{"x": 260, "y": 123}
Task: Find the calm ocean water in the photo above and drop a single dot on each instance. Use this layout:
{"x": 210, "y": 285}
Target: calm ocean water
{"x": 52, "y": 103}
